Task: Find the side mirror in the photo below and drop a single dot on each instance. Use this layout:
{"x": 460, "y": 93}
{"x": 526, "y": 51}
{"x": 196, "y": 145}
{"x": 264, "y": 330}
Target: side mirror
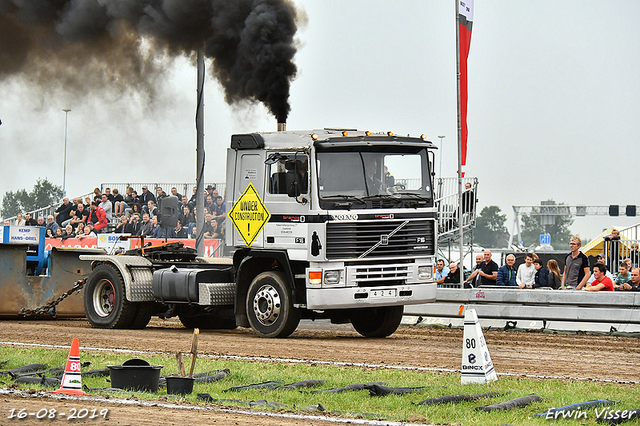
{"x": 293, "y": 183}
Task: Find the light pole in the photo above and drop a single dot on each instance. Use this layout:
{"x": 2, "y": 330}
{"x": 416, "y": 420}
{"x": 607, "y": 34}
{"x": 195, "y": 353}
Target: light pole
{"x": 440, "y": 173}
{"x": 64, "y": 176}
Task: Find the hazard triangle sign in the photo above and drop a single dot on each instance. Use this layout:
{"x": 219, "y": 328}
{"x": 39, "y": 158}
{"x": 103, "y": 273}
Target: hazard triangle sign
{"x": 249, "y": 215}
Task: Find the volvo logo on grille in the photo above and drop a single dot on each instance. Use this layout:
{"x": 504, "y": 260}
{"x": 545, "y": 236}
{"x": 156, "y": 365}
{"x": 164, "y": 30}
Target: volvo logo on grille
{"x": 384, "y": 240}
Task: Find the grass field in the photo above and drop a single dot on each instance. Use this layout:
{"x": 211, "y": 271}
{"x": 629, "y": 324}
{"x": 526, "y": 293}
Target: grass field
{"x": 556, "y": 393}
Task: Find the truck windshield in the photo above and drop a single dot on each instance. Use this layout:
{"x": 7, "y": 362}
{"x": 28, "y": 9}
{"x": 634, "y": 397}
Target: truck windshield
{"x": 374, "y": 174}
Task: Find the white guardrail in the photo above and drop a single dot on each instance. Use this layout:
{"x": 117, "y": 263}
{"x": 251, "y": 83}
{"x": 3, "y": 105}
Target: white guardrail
{"x": 551, "y": 309}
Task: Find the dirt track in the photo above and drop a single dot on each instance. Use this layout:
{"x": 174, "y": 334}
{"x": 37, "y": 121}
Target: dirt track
{"x": 526, "y": 353}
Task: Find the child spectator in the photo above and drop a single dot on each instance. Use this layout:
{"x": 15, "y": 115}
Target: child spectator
{"x": 88, "y": 231}
{"x": 120, "y": 228}
{"x": 542, "y": 274}
{"x": 79, "y": 229}
{"x": 555, "y": 280}
{"x": 68, "y": 232}
{"x": 624, "y": 276}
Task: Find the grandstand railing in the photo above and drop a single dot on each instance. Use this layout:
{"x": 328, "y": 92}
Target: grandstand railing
{"x": 183, "y": 188}
{"x": 447, "y": 201}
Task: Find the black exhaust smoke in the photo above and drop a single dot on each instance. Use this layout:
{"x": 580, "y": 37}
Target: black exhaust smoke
{"x": 85, "y": 46}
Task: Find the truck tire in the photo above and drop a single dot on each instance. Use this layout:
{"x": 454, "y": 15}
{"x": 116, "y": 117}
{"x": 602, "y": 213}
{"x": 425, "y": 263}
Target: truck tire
{"x": 377, "y": 322}
{"x": 269, "y": 306}
{"x": 143, "y": 315}
{"x": 105, "y": 305}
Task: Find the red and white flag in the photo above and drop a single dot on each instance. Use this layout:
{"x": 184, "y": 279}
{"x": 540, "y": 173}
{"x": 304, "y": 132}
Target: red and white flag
{"x": 465, "y": 22}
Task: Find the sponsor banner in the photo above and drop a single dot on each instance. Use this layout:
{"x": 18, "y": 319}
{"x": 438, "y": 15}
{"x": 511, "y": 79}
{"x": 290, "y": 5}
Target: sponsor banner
{"x": 24, "y": 235}
{"x": 111, "y": 243}
{"x": 211, "y": 246}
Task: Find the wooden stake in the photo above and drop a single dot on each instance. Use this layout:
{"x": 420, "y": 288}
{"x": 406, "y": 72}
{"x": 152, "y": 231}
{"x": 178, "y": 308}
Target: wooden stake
{"x": 181, "y": 369}
{"x": 194, "y": 350}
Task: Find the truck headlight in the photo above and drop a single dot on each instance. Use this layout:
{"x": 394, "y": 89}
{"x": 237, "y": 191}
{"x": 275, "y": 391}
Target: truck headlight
{"x": 332, "y": 277}
{"x": 315, "y": 278}
{"x": 425, "y": 272}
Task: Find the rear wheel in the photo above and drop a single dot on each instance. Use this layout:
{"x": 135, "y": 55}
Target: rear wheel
{"x": 143, "y": 315}
{"x": 105, "y": 305}
{"x": 269, "y": 305}
{"x": 377, "y": 322}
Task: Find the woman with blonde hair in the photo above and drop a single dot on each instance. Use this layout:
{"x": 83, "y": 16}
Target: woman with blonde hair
{"x": 19, "y": 220}
{"x": 555, "y": 280}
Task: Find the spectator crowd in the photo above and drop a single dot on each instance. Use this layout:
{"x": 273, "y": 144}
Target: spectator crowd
{"x": 577, "y": 273}
{"x": 131, "y": 213}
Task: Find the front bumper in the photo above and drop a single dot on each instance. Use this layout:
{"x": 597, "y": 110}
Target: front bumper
{"x": 363, "y": 297}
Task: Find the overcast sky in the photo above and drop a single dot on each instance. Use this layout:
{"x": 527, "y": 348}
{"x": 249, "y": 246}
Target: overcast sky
{"x": 554, "y": 101}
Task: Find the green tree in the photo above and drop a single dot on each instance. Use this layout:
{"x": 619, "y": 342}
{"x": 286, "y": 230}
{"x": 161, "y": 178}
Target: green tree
{"x": 532, "y": 228}
{"x": 44, "y": 194}
{"x": 490, "y": 230}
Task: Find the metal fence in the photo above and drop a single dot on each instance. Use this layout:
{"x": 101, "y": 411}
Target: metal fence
{"x": 618, "y": 250}
{"x": 182, "y": 188}
{"x": 447, "y": 201}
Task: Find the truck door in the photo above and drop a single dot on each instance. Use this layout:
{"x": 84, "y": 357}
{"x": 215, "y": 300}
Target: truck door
{"x": 250, "y": 169}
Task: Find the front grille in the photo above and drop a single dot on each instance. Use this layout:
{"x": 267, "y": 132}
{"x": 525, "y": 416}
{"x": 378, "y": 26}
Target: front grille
{"x": 372, "y": 276}
{"x": 350, "y": 240}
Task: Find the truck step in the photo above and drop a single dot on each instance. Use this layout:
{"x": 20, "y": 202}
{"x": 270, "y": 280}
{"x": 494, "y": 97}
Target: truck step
{"x": 217, "y": 294}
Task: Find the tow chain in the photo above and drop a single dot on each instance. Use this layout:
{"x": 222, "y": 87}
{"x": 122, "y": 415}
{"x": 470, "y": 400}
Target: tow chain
{"x": 50, "y": 308}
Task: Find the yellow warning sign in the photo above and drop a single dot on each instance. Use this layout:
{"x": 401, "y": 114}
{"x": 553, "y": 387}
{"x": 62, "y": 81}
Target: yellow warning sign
{"x": 249, "y": 215}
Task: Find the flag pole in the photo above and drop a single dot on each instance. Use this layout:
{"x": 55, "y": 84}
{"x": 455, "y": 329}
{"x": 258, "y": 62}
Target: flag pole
{"x": 461, "y": 230}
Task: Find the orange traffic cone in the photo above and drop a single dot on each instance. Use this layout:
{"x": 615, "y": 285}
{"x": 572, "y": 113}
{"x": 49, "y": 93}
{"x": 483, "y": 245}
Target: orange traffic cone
{"x": 72, "y": 380}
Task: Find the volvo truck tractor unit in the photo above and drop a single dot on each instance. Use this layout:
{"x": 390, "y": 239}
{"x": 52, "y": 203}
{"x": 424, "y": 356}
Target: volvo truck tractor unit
{"x": 331, "y": 223}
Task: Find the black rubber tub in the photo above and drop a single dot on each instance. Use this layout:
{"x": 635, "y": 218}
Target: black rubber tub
{"x": 136, "y": 375}
{"x": 179, "y": 385}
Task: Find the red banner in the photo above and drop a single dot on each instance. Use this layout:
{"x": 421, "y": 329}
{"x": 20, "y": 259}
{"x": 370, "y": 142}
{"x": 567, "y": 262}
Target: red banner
{"x": 465, "y": 21}
{"x": 210, "y": 245}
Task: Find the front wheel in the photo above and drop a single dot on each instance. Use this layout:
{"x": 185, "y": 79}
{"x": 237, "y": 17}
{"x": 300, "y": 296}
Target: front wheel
{"x": 269, "y": 306}
{"x": 105, "y": 305}
{"x": 377, "y": 322}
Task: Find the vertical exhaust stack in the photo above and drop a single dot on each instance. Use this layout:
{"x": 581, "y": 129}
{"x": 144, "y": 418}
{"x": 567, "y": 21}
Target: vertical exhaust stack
{"x": 282, "y": 127}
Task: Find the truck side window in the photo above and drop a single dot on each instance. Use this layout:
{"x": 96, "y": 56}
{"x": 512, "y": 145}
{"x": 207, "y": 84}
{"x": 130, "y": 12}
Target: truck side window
{"x": 281, "y": 175}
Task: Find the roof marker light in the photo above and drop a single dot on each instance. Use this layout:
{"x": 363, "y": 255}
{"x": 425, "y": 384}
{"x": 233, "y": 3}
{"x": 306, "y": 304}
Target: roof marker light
{"x": 424, "y": 137}
{"x": 314, "y": 137}
{"x": 389, "y": 133}
{"x": 345, "y": 133}
{"x": 368, "y": 133}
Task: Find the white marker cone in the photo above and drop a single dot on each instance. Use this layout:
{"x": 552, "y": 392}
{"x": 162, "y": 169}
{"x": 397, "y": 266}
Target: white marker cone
{"x": 477, "y": 366}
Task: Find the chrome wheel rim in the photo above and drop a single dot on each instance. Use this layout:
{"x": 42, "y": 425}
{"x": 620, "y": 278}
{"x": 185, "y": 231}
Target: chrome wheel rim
{"x": 104, "y": 298}
{"x": 266, "y": 305}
